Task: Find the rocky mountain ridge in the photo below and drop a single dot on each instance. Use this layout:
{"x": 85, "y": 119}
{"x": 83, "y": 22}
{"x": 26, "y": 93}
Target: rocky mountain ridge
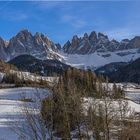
{"x": 88, "y": 44}
{"x": 24, "y": 42}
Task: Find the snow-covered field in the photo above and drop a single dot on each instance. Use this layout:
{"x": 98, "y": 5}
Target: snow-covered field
{"x": 11, "y": 102}
{"x": 19, "y": 93}
{"x": 132, "y": 91}
{"x": 133, "y": 94}
{"x": 112, "y": 104}
{"x": 9, "y": 112}
{"x": 10, "y": 108}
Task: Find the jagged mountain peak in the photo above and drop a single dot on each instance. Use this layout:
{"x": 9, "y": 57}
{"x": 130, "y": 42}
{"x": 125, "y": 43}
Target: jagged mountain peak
{"x": 75, "y": 37}
{"x": 24, "y": 42}
{"x": 93, "y": 36}
{"x": 86, "y": 44}
{"x": 23, "y": 36}
{"x": 66, "y": 46}
{"x": 41, "y": 35}
{"x": 98, "y": 42}
{"x": 85, "y": 36}
{"x": 23, "y": 33}
{"x": 68, "y": 42}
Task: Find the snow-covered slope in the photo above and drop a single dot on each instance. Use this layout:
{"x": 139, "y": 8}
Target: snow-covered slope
{"x": 10, "y": 108}
{"x": 19, "y": 93}
{"x": 98, "y": 59}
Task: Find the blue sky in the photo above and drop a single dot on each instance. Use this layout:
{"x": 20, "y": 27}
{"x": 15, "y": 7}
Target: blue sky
{"x": 61, "y": 20}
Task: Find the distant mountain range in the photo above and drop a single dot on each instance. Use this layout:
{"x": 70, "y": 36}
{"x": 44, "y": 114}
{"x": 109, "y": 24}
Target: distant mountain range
{"x": 40, "y": 46}
{"x": 92, "y": 51}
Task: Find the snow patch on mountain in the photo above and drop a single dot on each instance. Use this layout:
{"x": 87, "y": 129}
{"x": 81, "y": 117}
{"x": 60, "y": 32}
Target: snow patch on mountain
{"x": 98, "y": 59}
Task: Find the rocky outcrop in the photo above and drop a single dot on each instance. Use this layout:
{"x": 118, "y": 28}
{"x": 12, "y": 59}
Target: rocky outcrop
{"x": 86, "y": 44}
